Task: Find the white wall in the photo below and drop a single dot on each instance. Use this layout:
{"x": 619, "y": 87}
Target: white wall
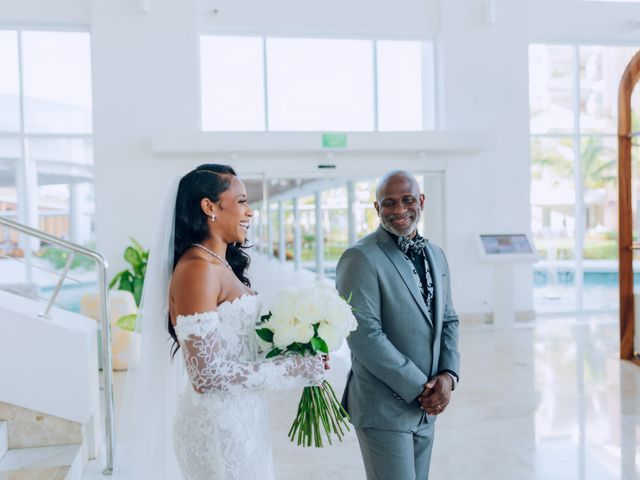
{"x": 35, "y": 13}
{"x": 58, "y": 360}
{"x": 486, "y": 86}
{"x": 146, "y": 82}
{"x": 579, "y": 21}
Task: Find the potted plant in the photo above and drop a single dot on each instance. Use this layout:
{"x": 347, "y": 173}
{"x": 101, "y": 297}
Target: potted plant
{"x": 131, "y": 280}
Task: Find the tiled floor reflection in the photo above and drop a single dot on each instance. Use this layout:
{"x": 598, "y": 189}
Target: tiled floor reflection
{"x": 551, "y": 402}
{"x": 548, "y": 402}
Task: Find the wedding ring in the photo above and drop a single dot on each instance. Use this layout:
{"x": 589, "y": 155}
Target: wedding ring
{"x": 439, "y": 407}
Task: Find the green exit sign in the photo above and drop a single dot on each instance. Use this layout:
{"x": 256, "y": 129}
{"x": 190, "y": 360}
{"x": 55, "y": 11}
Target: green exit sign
{"x": 334, "y": 140}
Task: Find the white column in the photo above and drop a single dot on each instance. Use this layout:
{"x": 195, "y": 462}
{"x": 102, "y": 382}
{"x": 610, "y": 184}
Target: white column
{"x": 269, "y": 232}
{"x": 351, "y": 211}
{"x": 319, "y": 237}
{"x": 27, "y": 189}
{"x": 27, "y": 186}
{"x": 75, "y": 214}
{"x": 297, "y": 235}
{"x": 26, "y": 178}
{"x": 282, "y": 245}
{"x": 257, "y": 238}
{"x": 265, "y": 216}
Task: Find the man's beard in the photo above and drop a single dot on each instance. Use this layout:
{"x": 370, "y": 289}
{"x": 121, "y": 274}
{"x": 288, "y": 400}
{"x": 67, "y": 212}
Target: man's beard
{"x": 404, "y": 232}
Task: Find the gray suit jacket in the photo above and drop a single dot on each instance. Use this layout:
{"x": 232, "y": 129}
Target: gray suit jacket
{"x": 397, "y": 346}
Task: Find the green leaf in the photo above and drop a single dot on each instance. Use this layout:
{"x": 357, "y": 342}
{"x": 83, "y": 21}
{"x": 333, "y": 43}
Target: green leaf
{"x": 132, "y": 256}
{"x": 274, "y": 353}
{"x": 115, "y": 279}
{"x": 319, "y": 345}
{"x": 265, "y": 334}
{"x": 127, "y": 322}
{"x": 126, "y": 281}
{"x": 137, "y": 245}
{"x": 138, "y": 284}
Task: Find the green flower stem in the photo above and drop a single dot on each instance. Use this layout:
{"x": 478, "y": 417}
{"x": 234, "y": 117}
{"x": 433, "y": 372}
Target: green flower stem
{"x": 338, "y": 411}
{"x": 330, "y": 413}
{"x": 318, "y": 410}
{"x": 315, "y": 421}
{"x": 322, "y": 412}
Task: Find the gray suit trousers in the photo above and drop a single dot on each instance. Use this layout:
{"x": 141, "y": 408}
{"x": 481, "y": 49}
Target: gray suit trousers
{"x": 392, "y": 455}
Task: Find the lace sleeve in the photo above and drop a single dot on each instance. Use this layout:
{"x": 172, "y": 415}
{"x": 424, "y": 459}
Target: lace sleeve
{"x": 212, "y": 367}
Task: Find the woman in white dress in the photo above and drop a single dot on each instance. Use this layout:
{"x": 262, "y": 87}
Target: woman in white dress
{"x": 221, "y": 427}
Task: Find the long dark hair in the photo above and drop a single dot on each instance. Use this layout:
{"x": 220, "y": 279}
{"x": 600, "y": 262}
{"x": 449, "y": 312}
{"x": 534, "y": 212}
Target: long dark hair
{"x": 191, "y": 224}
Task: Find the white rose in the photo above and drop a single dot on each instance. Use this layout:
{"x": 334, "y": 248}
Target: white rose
{"x": 340, "y": 316}
{"x": 285, "y": 306}
{"x": 309, "y": 310}
{"x": 303, "y": 332}
{"x": 284, "y": 335}
{"x": 337, "y": 318}
{"x": 330, "y": 335}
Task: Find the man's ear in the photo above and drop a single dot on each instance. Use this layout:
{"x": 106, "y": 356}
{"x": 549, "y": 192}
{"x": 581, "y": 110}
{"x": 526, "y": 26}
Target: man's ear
{"x": 421, "y": 197}
{"x": 376, "y": 206}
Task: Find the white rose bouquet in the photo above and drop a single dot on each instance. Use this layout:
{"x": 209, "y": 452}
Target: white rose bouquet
{"x": 310, "y": 320}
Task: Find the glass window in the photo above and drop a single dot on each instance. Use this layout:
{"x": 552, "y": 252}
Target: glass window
{"x": 320, "y": 84}
{"x": 61, "y": 150}
{"x": 551, "y": 89}
{"x": 553, "y": 222}
{"x": 400, "y": 85}
{"x": 600, "y": 71}
{"x": 599, "y": 162}
{"x": 57, "y": 82}
{"x": 232, "y": 83}
{"x": 336, "y": 225}
{"x": 303, "y": 84}
{"x": 9, "y": 82}
{"x": 587, "y": 248}
{"x": 308, "y": 230}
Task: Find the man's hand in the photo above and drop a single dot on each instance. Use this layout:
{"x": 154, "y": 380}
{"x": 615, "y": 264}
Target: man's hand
{"x": 436, "y": 394}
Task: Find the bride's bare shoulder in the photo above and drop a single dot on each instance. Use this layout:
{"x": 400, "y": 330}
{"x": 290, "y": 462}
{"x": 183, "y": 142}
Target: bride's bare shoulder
{"x": 195, "y": 286}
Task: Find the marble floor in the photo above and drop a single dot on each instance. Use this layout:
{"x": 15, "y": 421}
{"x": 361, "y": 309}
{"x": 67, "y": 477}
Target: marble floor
{"x": 548, "y": 400}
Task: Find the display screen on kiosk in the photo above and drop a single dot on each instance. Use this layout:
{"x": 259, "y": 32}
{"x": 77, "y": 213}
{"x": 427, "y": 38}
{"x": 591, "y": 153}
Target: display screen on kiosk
{"x": 506, "y": 244}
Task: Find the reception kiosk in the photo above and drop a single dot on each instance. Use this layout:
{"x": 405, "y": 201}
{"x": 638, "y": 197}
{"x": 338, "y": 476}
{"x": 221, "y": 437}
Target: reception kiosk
{"x": 503, "y": 252}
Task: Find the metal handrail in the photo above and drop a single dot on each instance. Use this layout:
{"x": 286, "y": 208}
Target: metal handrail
{"x": 107, "y": 370}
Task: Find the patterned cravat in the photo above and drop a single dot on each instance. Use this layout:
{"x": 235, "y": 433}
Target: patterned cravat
{"x": 407, "y": 245}
{"x": 415, "y": 246}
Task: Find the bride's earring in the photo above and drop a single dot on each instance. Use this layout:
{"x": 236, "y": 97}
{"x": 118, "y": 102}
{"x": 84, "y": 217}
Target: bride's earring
{"x": 213, "y": 217}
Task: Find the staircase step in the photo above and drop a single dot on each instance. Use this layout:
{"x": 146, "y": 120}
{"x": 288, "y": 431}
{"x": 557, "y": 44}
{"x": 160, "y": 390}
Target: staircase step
{"x": 4, "y": 439}
{"x": 27, "y": 459}
{"x": 45, "y": 473}
{"x": 28, "y": 428}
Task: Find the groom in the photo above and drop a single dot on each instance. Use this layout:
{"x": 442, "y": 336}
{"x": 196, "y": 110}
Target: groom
{"x": 405, "y": 359}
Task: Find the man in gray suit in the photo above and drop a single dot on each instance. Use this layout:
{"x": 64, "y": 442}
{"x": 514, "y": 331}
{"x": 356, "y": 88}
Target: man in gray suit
{"x": 405, "y": 359}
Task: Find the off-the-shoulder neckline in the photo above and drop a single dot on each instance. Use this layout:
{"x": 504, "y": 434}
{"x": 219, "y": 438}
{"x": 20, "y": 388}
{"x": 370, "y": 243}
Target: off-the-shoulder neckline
{"x": 223, "y": 304}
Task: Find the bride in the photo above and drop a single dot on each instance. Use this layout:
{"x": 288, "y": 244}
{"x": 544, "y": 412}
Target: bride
{"x": 220, "y": 425}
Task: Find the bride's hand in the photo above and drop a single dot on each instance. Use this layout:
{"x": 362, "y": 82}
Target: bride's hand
{"x": 325, "y": 361}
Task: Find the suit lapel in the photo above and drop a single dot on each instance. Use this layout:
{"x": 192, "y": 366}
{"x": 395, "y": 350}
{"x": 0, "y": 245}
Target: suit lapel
{"x": 436, "y": 276}
{"x": 391, "y": 250}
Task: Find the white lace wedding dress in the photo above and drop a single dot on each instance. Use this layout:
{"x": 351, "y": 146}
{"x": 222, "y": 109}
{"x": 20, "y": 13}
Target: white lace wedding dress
{"x": 221, "y": 429}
